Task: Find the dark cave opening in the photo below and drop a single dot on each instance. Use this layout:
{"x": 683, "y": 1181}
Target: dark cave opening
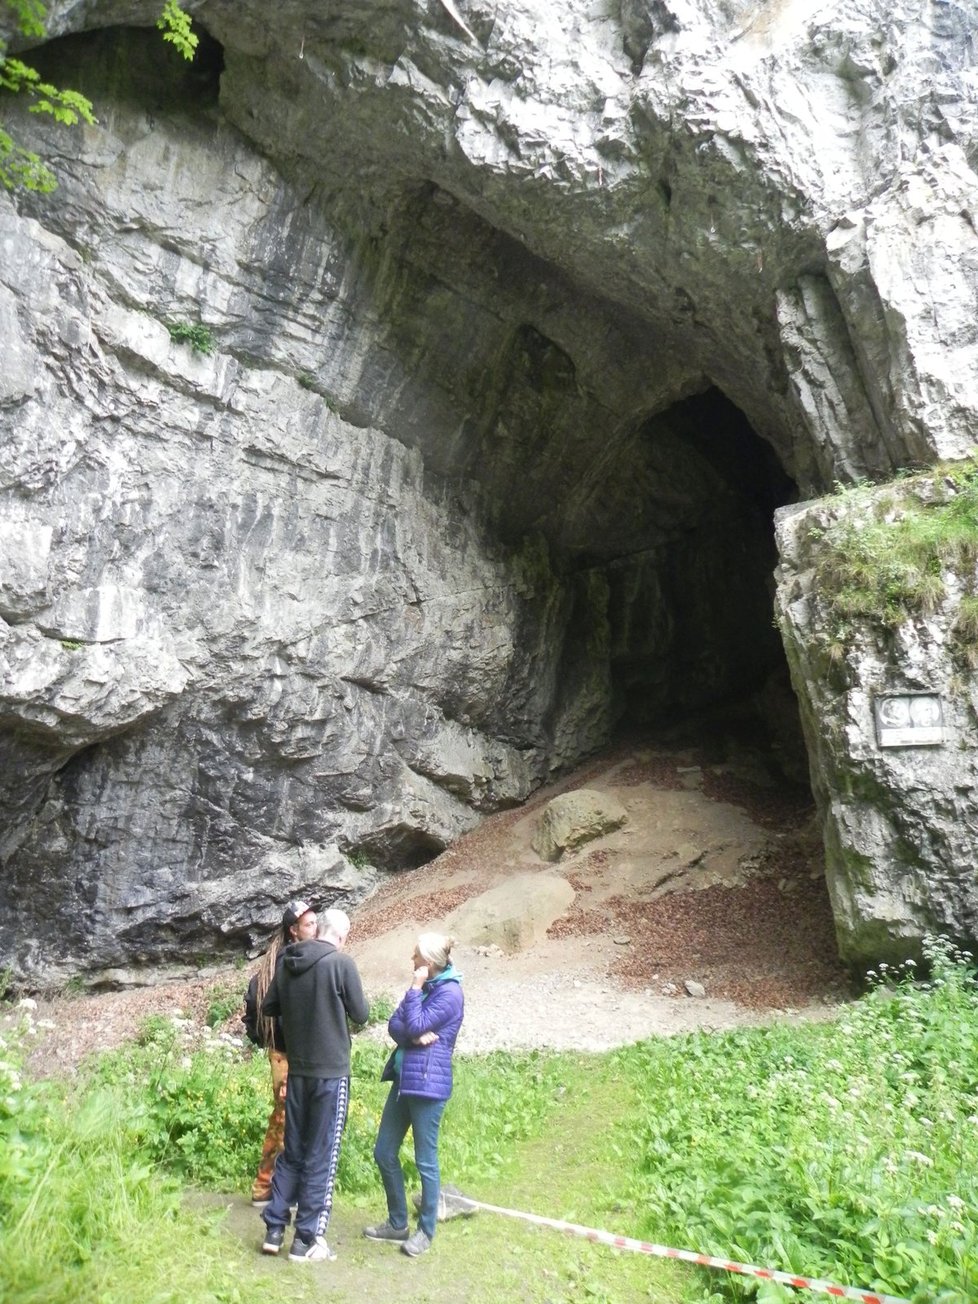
{"x": 692, "y": 636}
{"x": 124, "y": 65}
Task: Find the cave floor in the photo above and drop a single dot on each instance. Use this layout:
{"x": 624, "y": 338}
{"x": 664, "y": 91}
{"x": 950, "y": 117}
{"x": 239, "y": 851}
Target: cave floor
{"x": 716, "y": 879}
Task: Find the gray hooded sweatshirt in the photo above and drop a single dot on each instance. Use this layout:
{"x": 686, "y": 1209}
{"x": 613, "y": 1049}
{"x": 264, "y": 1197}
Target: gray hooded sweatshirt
{"x": 315, "y": 991}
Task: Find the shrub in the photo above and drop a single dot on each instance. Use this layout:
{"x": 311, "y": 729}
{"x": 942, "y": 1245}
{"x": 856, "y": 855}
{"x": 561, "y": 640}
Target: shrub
{"x": 197, "y": 336}
{"x": 223, "y": 1001}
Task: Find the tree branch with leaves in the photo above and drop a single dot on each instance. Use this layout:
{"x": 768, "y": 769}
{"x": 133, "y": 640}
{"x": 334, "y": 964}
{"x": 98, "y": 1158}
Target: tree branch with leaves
{"x": 20, "y": 168}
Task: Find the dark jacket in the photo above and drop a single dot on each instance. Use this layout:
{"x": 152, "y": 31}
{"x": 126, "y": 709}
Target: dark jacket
{"x": 438, "y": 1007}
{"x": 252, "y": 1025}
{"x": 316, "y": 989}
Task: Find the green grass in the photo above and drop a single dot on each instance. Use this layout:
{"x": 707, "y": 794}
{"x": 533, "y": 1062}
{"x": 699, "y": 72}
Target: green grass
{"x": 846, "y": 1150}
{"x": 887, "y": 552}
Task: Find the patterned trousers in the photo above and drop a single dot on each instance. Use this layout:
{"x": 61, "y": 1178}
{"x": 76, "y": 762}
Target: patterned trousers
{"x": 275, "y": 1135}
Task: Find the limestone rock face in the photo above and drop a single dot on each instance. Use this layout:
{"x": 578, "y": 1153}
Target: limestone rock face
{"x": 574, "y": 818}
{"x": 514, "y": 325}
{"x": 898, "y": 804}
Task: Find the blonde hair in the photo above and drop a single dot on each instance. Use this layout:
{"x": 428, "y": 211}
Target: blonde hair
{"x": 436, "y": 948}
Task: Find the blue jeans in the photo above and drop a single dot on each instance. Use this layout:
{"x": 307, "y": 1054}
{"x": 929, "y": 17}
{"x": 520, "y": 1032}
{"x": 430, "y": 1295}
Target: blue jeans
{"x": 423, "y": 1117}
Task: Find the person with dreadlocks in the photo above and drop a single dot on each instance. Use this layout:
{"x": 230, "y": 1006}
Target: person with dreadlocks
{"x": 298, "y": 925}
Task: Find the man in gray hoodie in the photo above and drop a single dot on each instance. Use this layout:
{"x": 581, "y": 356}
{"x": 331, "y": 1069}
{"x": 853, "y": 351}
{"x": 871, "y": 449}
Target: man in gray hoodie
{"x": 317, "y": 993}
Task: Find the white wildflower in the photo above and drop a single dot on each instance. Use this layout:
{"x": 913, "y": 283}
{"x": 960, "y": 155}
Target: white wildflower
{"x": 916, "y": 1157}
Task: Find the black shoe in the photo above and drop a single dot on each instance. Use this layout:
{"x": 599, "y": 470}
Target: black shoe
{"x": 272, "y": 1243}
{"x": 313, "y": 1251}
{"x": 385, "y": 1231}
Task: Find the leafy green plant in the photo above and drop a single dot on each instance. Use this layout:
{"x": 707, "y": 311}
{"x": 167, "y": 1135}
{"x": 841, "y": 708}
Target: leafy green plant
{"x": 381, "y": 1009}
{"x": 223, "y": 1001}
{"x": 174, "y": 23}
{"x": 195, "y": 334}
{"x": 71, "y": 644}
{"x": 202, "y": 1108}
{"x": 85, "y": 1215}
{"x": 847, "y": 1152}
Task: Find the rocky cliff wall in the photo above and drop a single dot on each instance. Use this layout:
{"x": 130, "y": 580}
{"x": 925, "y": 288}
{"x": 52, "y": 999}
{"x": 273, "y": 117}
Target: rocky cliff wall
{"x": 522, "y": 322}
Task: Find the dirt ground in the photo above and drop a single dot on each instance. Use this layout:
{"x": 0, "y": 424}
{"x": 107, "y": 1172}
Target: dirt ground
{"x": 716, "y": 880}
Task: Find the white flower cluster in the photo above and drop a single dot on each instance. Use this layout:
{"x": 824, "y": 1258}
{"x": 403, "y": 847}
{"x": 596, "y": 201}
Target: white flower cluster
{"x": 10, "y": 1081}
{"x": 196, "y": 1036}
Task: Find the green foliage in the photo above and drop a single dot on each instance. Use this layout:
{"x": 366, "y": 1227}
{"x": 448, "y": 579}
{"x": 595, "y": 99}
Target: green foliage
{"x": 847, "y": 1150}
{"x": 381, "y": 1009}
{"x": 174, "y": 23}
{"x": 65, "y": 106}
{"x": 886, "y": 555}
{"x": 85, "y": 1216}
{"x": 28, "y": 16}
{"x": 223, "y": 1001}
{"x": 200, "y": 1111}
{"x": 22, "y": 168}
{"x": 199, "y": 337}
{"x": 71, "y": 644}
{"x": 516, "y": 1091}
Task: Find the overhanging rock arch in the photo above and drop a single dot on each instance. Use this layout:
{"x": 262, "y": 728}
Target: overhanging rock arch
{"x": 415, "y": 256}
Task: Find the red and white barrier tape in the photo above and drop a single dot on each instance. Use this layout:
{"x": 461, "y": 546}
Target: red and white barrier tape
{"x": 688, "y": 1256}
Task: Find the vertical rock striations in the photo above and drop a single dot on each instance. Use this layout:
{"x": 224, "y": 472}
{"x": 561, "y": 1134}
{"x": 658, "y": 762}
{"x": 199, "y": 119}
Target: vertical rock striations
{"x": 390, "y": 405}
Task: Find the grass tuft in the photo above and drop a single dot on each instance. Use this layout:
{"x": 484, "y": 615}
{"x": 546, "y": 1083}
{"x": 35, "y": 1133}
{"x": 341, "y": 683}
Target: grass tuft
{"x": 887, "y": 555}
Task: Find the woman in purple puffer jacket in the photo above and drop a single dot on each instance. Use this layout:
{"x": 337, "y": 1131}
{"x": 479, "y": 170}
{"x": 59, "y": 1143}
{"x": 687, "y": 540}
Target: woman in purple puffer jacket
{"x": 424, "y": 1027}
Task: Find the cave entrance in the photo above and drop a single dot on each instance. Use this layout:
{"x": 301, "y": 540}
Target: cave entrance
{"x": 690, "y": 614}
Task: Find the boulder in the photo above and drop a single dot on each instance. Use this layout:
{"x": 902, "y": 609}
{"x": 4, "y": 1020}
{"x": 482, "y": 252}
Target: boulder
{"x": 513, "y": 915}
{"x": 573, "y": 818}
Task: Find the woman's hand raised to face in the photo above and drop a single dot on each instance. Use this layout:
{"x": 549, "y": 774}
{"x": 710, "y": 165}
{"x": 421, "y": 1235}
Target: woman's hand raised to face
{"x": 422, "y": 969}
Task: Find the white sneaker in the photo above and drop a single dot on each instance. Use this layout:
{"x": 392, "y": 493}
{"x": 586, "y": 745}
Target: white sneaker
{"x": 315, "y": 1251}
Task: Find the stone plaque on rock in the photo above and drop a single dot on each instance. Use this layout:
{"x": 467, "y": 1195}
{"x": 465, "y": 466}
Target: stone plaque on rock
{"x": 909, "y": 720}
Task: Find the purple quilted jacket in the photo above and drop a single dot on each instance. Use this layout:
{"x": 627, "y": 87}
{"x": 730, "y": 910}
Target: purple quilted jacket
{"x": 437, "y": 1007}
